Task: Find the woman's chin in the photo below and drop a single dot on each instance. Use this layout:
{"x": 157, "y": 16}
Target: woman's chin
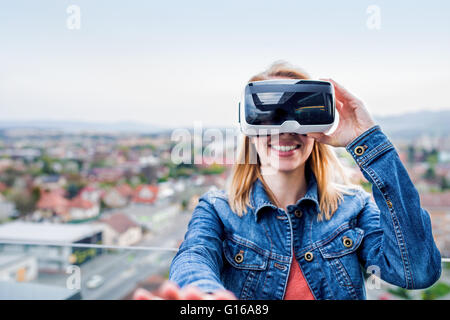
{"x": 285, "y": 165}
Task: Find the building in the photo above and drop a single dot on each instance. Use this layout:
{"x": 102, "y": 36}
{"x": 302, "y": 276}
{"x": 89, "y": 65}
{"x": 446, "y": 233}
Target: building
{"x": 120, "y": 230}
{"x": 91, "y": 193}
{"x": 18, "y": 267}
{"x": 53, "y": 203}
{"x": 153, "y": 219}
{"x": 118, "y": 197}
{"x": 51, "y": 243}
{"x": 145, "y": 194}
{"x": 34, "y": 291}
{"x": 7, "y": 209}
{"x": 82, "y": 209}
{"x": 50, "y": 182}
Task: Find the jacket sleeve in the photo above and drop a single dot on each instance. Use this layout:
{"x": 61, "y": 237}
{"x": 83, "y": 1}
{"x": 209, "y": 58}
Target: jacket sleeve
{"x": 199, "y": 261}
{"x": 398, "y": 238}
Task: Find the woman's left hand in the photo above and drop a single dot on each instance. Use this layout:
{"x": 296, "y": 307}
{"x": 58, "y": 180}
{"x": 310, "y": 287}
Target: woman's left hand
{"x": 354, "y": 119}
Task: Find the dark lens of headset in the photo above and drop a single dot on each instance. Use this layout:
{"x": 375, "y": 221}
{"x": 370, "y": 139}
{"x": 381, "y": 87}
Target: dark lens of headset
{"x": 274, "y": 108}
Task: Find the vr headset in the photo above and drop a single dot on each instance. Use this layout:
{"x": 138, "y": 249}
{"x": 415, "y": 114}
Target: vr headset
{"x": 287, "y": 105}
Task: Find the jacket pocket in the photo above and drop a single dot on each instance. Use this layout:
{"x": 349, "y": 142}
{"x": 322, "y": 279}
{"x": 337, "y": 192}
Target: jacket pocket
{"x": 243, "y": 254}
{"x": 246, "y": 267}
{"x": 340, "y": 254}
{"x": 343, "y": 243}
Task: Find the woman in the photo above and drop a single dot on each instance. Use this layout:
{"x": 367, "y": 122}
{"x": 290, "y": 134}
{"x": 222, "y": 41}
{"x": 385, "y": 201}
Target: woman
{"x": 292, "y": 226}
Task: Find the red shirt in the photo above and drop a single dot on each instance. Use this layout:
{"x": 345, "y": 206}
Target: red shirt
{"x": 297, "y": 288}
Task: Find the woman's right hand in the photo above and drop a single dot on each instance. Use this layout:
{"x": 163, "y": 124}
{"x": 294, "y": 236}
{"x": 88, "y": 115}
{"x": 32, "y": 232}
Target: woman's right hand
{"x": 170, "y": 291}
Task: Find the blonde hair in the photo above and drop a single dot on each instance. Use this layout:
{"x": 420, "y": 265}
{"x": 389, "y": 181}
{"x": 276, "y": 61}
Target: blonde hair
{"x": 332, "y": 180}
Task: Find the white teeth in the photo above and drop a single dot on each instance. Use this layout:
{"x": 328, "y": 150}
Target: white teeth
{"x": 284, "y": 148}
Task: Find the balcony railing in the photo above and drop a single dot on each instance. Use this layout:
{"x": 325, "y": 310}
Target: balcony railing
{"x": 45, "y": 270}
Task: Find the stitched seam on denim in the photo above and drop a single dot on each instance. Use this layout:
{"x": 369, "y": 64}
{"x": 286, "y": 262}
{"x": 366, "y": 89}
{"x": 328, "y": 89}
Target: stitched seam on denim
{"x": 265, "y": 281}
{"x": 268, "y": 263}
{"x": 347, "y": 250}
{"x": 201, "y": 253}
{"x": 264, "y": 252}
{"x": 335, "y": 271}
{"x": 327, "y": 284}
{"x": 249, "y": 244}
{"x": 244, "y": 266}
{"x": 347, "y": 281}
{"x": 398, "y": 233}
{"x": 402, "y": 245}
{"x": 230, "y": 259}
{"x": 321, "y": 243}
{"x": 248, "y": 281}
{"x": 350, "y": 287}
{"x": 375, "y": 153}
{"x": 363, "y": 135}
{"x": 336, "y": 232}
{"x": 255, "y": 282}
{"x": 400, "y": 240}
{"x": 268, "y": 237}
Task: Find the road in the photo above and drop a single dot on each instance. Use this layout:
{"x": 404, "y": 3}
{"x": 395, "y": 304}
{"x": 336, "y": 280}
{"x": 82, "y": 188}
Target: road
{"x": 124, "y": 270}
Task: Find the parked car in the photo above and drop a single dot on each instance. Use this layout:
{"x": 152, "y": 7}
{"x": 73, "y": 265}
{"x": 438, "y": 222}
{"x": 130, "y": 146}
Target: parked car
{"x": 94, "y": 281}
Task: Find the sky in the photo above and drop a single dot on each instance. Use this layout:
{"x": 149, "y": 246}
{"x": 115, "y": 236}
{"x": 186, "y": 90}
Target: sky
{"x": 173, "y": 63}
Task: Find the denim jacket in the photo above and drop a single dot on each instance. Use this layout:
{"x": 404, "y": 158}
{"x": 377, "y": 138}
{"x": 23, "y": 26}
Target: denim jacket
{"x": 252, "y": 255}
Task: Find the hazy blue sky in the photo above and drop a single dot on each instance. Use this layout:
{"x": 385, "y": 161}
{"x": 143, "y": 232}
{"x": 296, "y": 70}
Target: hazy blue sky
{"x": 175, "y": 62}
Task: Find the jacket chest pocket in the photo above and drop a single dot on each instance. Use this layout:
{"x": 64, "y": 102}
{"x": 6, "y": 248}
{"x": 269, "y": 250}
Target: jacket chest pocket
{"x": 340, "y": 254}
{"x": 246, "y": 268}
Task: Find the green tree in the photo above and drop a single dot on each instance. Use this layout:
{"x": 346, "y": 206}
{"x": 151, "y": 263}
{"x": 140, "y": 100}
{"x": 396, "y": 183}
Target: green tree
{"x": 25, "y": 200}
{"x": 445, "y": 184}
{"x": 411, "y": 154}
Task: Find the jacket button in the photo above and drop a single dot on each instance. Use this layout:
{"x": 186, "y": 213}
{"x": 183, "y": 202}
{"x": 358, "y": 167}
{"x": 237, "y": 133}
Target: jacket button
{"x": 359, "y": 150}
{"x": 389, "y": 203}
{"x": 239, "y": 257}
{"x": 298, "y": 213}
{"x": 347, "y": 242}
{"x": 309, "y": 256}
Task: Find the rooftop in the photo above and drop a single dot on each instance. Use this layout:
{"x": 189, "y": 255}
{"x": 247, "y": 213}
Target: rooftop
{"x": 120, "y": 222}
{"x": 33, "y": 291}
{"x": 46, "y": 232}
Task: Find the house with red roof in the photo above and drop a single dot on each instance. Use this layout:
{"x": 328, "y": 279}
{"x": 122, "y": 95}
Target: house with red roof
{"x": 118, "y": 197}
{"x": 120, "y": 230}
{"x": 145, "y": 194}
{"x": 81, "y": 209}
{"x": 91, "y": 193}
{"x": 53, "y": 203}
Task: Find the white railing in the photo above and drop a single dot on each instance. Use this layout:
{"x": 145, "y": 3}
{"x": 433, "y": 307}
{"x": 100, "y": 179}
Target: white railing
{"x": 85, "y": 245}
{"x": 102, "y": 246}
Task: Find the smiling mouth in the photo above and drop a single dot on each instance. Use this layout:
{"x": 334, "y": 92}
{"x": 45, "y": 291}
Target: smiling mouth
{"x": 285, "y": 148}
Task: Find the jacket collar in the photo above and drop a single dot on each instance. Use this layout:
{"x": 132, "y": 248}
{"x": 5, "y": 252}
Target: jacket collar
{"x": 260, "y": 199}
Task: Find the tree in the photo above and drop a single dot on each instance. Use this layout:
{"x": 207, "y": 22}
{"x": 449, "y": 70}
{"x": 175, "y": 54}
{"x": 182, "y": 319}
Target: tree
{"x": 25, "y": 200}
{"x": 445, "y": 184}
{"x": 430, "y": 174}
{"x": 411, "y": 154}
